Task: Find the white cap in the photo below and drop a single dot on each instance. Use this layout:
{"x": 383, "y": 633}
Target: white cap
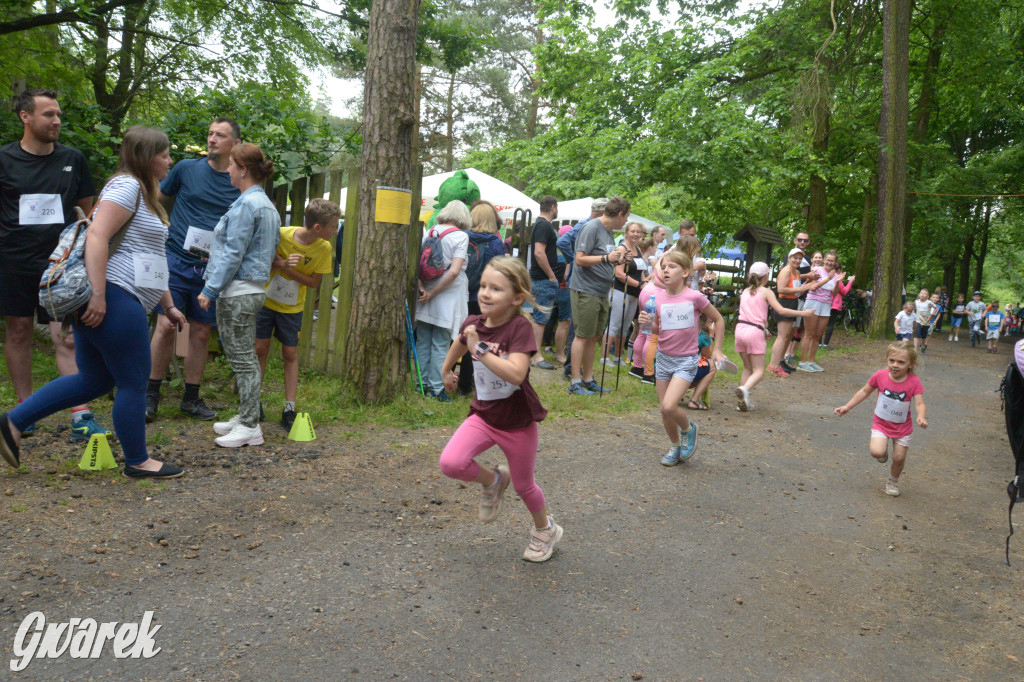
{"x": 760, "y": 269}
{"x": 792, "y": 251}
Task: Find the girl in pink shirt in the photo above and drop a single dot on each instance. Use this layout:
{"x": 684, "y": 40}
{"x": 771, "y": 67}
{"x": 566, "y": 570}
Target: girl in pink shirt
{"x": 897, "y": 386}
{"x": 751, "y": 341}
{"x": 675, "y": 322}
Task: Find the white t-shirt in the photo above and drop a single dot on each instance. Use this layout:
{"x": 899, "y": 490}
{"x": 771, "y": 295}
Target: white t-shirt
{"x": 450, "y": 307}
{"x": 924, "y": 310}
{"x": 905, "y": 322}
{"x": 141, "y": 256}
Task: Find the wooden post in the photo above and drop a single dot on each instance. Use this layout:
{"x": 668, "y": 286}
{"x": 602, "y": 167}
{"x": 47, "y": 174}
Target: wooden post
{"x": 298, "y": 200}
{"x": 348, "y": 263}
{"x": 280, "y": 197}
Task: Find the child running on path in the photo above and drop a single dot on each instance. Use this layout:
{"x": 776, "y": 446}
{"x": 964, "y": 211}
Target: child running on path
{"x": 925, "y": 309}
{"x": 957, "y": 318}
{"x": 751, "y": 342}
{"x": 995, "y": 321}
{"x": 896, "y": 386}
{"x": 904, "y": 323}
{"x": 506, "y": 409}
{"x": 675, "y": 321}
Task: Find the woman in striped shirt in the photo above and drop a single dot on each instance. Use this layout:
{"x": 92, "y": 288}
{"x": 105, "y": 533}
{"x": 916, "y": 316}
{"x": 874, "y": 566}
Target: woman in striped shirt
{"x": 112, "y": 331}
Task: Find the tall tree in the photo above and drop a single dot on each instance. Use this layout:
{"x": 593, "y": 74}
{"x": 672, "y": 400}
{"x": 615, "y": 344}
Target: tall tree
{"x": 892, "y": 165}
{"x": 375, "y": 353}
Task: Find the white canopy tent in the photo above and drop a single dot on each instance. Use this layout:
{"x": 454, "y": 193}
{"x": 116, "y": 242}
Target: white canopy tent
{"x": 579, "y": 209}
{"x": 505, "y": 197}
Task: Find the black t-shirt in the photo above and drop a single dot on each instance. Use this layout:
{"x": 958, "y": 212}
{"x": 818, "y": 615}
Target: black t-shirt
{"x": 544, "y": 232}
{"x": 632, "y": 271}
{"x": 33, "y": 191}
{"x": 805, "y": 267}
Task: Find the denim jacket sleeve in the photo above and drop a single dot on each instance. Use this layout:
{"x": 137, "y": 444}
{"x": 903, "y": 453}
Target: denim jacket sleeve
{"x": 231, "y": 238}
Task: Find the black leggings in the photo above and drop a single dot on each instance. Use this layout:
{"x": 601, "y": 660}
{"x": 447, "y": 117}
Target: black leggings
{"x": 466, "y": 383}
{"x": 836, "y": 314}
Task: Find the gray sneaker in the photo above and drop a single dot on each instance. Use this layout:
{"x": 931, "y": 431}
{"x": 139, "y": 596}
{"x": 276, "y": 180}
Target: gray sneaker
{"x": 806, "y": 367}
{"x": 817, "y": 367}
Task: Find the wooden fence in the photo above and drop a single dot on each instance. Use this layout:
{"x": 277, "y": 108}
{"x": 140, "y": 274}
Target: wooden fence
{"x": 323, "y": 341}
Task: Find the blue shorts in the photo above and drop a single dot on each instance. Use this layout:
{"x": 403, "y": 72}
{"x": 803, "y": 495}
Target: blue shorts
{"x": 904, "y": 337}
{"x": 957, "y": 320}
{"x": 285, "y": 326}
{"x": 922, "y": 331}
{"x": 547, "y": 294}
{"x": 185, "y": 283}
{"x": 668, "y": 367}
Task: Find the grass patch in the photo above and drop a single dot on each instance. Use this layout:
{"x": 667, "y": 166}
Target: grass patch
{"x": 330, "y": 401}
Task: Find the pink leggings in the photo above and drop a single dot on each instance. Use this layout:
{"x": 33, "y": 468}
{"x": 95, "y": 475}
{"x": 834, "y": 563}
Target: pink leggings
{"x": 519, "y": 446}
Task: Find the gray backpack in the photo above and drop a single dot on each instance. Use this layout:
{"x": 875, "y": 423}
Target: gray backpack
{"x": 64, "y": 287}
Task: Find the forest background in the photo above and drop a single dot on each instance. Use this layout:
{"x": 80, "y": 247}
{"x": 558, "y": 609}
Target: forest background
{"x": 724, "y": 112}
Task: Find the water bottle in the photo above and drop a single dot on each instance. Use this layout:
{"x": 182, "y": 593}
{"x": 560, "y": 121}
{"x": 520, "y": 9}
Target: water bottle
{"x": 650, "y": 309}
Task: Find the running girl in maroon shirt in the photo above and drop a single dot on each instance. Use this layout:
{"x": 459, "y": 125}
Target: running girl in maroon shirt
{"x": 506, "y": 409}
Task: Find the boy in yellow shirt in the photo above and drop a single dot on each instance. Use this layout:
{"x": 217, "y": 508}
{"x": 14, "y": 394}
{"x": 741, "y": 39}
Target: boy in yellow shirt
{"x": 303, "y": 258}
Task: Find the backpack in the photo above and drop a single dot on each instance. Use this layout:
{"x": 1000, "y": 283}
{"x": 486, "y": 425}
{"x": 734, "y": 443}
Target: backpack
{"x": 482, "y": 248}
{"x": 64, "y": 287}
{"x": 1012, "y": 391}
{"x": 431, "y": 265}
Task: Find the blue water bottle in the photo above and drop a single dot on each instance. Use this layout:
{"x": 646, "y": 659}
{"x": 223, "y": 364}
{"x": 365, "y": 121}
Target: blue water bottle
{"x": 650, "y": 309}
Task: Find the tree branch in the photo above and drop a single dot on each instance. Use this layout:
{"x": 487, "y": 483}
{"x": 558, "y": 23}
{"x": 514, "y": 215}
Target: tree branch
{"x": 63, "y": 17}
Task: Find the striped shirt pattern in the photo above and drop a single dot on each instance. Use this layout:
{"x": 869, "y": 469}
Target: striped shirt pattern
{"x": 145, "y": 235}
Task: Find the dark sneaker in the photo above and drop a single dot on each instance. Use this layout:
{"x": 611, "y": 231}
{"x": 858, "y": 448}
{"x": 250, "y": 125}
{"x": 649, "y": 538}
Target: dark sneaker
{"x": 637, "y": 372}
{"x": 197, "y": 409}
{"x": 29, "y": 430}
{"x": 166, "y": 470}
{"x": 287, "y": 419}
{"x": 85, "y": 428}
{"x": 577, "y": 388}
{"x": 152, "y": 402}
{"x": 593, "y": 386}
{"x": 442, "y": 396}
{"x": 648, "y": 379}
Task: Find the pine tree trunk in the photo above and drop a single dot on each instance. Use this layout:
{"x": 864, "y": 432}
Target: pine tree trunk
{"x": 892, "y": 166}
{"x": 979, "y": 263}
{"x": 866, "y": 244}
{"x": 375, "y": 357}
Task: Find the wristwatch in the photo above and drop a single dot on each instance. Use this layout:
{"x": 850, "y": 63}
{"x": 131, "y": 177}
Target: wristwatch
{"x": 481, "y": 348}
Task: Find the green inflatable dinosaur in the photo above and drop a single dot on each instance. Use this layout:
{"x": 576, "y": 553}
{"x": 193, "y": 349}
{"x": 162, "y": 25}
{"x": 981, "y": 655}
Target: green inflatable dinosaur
{"x": 459, "y": 187}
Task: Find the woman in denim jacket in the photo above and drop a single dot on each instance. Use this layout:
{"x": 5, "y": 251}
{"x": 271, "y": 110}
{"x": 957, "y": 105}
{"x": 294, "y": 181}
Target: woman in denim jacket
{"x": 244, "y": 243}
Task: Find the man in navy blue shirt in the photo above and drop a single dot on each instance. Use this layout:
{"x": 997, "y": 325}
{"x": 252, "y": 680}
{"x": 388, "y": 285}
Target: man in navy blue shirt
{"x": 198, "y": 192}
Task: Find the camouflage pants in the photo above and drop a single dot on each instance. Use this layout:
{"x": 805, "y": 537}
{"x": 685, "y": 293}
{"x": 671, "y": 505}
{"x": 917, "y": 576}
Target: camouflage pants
{"x": 236, "y": 324}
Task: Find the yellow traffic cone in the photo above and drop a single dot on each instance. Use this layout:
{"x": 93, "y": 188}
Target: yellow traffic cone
{"x": 302, "y": 429}
{"x": 97, "y": 455}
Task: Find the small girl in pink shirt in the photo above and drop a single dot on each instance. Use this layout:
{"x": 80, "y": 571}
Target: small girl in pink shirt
{"x": 675, "y": 322}
{"x": 896, "y": 387}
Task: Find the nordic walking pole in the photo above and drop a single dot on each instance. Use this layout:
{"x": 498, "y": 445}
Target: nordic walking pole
{"x": 622, "y": 335}
{"x": 411, "y": 340}
{"x": 604, "y": 350}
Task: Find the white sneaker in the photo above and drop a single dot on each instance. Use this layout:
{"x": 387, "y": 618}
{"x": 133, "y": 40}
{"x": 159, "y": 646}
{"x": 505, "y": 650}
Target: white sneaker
{"x": 742, "y": 398}
{"x": 241, "y": 435}
{"x": 224, "y": 428}
{"x": 892, "y": 487}
{"x": 950, "y": 337}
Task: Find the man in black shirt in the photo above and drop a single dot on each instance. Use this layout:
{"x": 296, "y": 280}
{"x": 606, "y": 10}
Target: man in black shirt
{"x": 802, "y": 241}
{"x": 41, "y": 182}
{"x": 546, "y": 273}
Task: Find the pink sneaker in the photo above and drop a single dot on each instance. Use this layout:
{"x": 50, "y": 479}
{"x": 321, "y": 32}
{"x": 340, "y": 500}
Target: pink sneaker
{"x": 542, "y": 542}
{"x": 492, "y": 498}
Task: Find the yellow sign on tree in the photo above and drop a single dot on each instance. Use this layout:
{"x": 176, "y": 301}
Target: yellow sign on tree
{"x": 394, "y": 205}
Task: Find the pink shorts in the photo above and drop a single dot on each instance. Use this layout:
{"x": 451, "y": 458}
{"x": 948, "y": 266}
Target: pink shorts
{"x": 750, "y": 339}
{"x": 904, "y": 441}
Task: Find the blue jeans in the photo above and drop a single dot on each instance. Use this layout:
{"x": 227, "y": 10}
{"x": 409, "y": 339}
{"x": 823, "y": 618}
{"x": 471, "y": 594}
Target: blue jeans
{"x": 431, "y": 348}
{"x": 114, "y": 354}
